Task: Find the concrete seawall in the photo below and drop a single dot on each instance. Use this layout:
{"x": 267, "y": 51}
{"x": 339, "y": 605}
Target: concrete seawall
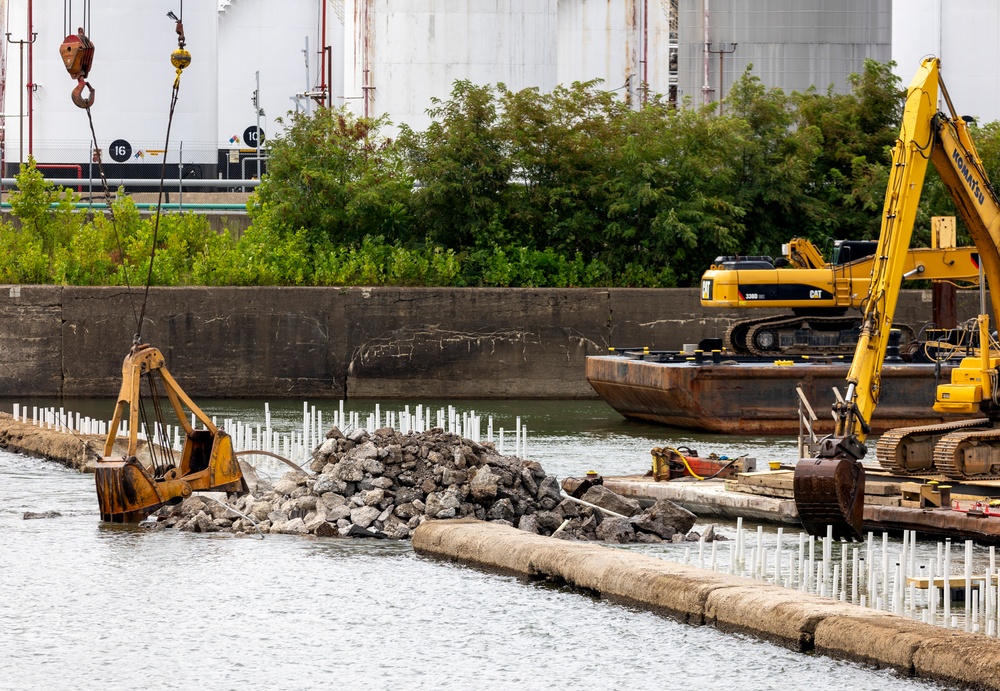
{"x": 384, "y": 343}
{"x": 700, "y": 597}
{"x": 73, "y": 451}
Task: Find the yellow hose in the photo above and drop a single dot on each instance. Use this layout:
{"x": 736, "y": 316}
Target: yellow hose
{"x": 684, "y": 460}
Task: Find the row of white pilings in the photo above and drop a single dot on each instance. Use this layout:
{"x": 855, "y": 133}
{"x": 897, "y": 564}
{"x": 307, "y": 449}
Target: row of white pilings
{"x": 877, "y": 573}
{"x": 297, "y": 444}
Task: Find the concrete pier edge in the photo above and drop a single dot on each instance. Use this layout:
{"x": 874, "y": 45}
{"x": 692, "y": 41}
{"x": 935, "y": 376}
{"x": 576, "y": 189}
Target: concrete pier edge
{"x": 796, "y": 620}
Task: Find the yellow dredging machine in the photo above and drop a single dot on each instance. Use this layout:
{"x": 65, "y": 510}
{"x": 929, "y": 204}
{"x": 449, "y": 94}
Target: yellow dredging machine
{"x": 829, "y": 489}
{"x": 129, "y": 489}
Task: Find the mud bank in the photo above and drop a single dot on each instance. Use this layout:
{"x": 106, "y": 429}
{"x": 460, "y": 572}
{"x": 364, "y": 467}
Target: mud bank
{"x": 790, "y": 618}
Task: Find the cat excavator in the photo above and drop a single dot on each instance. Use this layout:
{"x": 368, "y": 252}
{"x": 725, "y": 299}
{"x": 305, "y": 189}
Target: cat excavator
{"x": 817, "y": 293}
{"x": 829, "y": 489}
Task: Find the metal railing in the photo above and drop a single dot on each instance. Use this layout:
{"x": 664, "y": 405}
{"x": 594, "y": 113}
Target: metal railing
{"x": 115, "y": 183}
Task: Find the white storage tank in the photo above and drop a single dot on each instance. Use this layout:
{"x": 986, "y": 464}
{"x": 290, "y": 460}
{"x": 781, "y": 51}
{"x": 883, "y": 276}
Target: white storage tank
{"x": 132, "y": 78}
{"x": 792, "y": 44}
{"x": 963, "y": 34}
{"x": 282, "y": 41}
{"x": 398, "y": 55}
{"x": 625, "y": 44}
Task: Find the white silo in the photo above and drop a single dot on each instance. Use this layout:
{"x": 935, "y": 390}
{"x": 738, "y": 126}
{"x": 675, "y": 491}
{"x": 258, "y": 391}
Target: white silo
{"x": 132, "y": 78}
{"x": 963, "y": 34}
{"x": 398, "y": 55}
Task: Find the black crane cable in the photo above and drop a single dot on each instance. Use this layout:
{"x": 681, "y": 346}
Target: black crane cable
{"x": 180, "y": 59}
{"x": 163, "y": 174}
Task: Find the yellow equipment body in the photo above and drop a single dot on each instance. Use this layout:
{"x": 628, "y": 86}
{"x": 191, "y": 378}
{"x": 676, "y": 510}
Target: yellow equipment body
{"x": 967, "y": 448}
{"x": 128, "y": 489}
{"x": 817, "y": 293}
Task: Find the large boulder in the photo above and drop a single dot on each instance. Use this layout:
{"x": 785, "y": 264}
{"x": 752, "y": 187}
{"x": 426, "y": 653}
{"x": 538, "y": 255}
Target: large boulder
{"x": 484, "y": 486}
{"x": 364, "y": 516}
{"x": 664, "y": 518}
{"x": 599, "y": 495}
{"x": 615, "y": 529}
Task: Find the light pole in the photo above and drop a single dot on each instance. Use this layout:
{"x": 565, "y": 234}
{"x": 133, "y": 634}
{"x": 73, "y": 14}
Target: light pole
{"x": 260, "y": 113}
{"x": 20, "y": 110}
{"x": 722, "y": 50}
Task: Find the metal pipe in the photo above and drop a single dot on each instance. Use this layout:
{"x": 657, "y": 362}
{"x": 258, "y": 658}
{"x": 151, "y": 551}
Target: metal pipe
{"x": 258, "y": 109}
{"x": 593, "y": 506}
{"x": 147, "y": 206}
{"x": 706, "y": 88}
{"x": 139, "y": 182}
{"x": 322, "y": 49}
{"x": 30, "y": 86}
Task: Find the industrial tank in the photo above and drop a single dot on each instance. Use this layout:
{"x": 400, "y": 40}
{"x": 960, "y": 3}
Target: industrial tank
{"x": 132, "y": 78}
{"x": 626, "y": 44}
{"x": 792, "y": 44}
{"x": 398, "y": 55}
{"x": 963, "y": 34}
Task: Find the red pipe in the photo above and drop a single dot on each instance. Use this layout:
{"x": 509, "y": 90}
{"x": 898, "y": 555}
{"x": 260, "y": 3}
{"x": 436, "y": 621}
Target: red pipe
{"x": 322, "y": 49}
{"x": 645, "y": 49}
{"x": 31, "y": 83}
{"x": 74, "y": 167}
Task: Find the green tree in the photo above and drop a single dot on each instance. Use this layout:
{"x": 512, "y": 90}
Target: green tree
{"x": 334, "y": 178}
{"x": 463, "y": 163}
{"x": 773, "y": 160}
{"x": 856, "y": 131}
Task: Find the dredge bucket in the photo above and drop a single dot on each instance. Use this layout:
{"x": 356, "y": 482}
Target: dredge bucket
{"x": 134, "y": 483}
{"x": 830, "y": 492}
{"x": 125, "y": 491}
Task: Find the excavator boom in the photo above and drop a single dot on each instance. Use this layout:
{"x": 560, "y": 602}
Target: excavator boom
{"x": 822, "y": 484}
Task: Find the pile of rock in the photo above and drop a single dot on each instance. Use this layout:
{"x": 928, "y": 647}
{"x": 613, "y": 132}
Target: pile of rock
{"x": 385, "y": 484}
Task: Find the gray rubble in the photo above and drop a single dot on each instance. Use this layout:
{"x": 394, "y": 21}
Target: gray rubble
{"x": 385, "y": 484}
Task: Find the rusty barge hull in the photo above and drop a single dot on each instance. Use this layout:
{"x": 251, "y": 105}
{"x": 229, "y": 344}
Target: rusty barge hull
{"x": 755, "y": 398}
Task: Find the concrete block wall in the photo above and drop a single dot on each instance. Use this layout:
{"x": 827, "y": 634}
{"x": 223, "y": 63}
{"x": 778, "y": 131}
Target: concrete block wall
{"x": 351, "y": 342}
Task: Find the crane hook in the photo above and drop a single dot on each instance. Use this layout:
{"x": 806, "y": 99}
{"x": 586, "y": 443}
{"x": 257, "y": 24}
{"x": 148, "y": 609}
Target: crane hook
{"x": 77, "y": 52}
{"x": 78, "y": 97}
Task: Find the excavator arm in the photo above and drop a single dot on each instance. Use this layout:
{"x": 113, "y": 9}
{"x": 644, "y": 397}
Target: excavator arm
{"x": 829, "y": 489}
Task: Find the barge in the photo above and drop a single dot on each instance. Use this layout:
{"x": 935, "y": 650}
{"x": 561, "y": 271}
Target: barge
{"x": 755, "y": 397}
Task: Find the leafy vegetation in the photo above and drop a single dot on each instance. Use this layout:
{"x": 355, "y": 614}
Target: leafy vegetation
{"x": 569, "y": 188}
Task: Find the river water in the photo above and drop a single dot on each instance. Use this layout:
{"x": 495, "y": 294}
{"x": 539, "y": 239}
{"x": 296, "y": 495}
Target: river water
{"x": 87, "y": 605}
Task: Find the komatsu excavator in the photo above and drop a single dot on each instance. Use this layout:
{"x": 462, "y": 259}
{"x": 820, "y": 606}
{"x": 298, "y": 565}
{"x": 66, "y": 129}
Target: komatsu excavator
{"x": 818, "y": 293}
{"x": 129, "y": 489}
{"x": 829, "y": 489}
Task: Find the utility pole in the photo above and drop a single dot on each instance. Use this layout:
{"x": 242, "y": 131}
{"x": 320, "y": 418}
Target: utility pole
{"x": 22, "y": 44}
{"x": 723, "y": 50}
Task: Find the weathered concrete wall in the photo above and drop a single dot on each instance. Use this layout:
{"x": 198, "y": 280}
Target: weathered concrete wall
{"x": 358, "y": 342}
{"x": 697, "y": 596}
{"x": 233, "y": 221}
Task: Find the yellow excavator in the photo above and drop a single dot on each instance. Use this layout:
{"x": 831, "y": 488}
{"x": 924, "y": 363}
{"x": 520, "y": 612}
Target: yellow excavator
{"x": 129, "y": 489}
{"x": 829, "y": 489}
{"x": 818, "y": 293}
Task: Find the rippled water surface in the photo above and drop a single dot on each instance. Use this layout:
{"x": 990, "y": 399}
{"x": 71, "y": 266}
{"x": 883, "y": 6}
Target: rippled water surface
{"x": 85, "y": 605}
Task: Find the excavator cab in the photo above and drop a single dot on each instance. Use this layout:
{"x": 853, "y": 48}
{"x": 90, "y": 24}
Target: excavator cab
{"x": 133, "y": 483}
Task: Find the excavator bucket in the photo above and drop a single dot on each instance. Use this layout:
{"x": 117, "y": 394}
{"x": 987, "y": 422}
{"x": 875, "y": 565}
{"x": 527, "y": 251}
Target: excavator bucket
{"x": 133, "y": 484}
{"x": 830, "y": 492}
